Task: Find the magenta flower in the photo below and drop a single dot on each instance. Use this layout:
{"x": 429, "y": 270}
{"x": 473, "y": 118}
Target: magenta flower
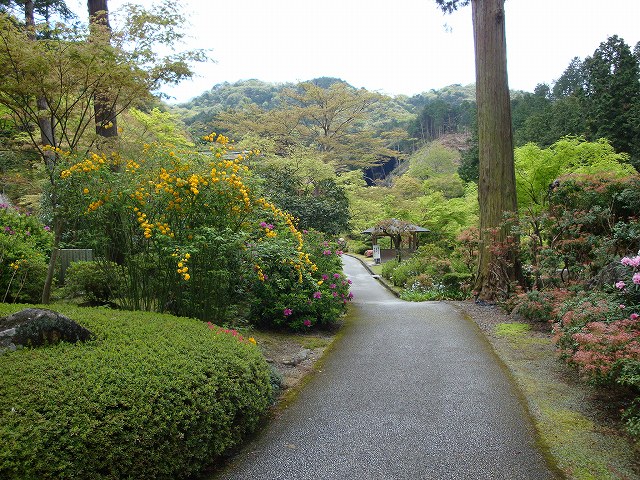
{"x": 326, "y": 252}
{"x": 621, "y": 307}
{"x": 631, "y": 262}
{"x": 325, "y": 276}
{"x": 307, "y": 323}
{"x": 47, "y": 228}
{"x": 634, "y": 316}
{"x": 350, "y": 296}
{"x": 335, "y": 294}
{"x": 263, "y": 224}
{"x": 636, "y": 278}
{"x": 317, "y": 295}
{"x": 336, "y": 275}
{"x": 332, "y": 286}
{"x": 349, "y": 282}
{"x": 620, "y": 285}
{"x": 339, "y": 252}
{"x": 287, "y": 312}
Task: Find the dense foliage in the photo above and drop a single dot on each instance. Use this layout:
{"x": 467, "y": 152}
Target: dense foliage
{"x": 587, "y": 278}
{"x": 598, "y": 97}
{"x": 188, "y": 233}
{"x": 25, "y": 244}
{"x": 152, "y": 396}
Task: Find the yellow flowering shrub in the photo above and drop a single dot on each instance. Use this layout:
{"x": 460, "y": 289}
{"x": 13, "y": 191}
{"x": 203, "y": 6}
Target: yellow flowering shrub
{"x": 179, "y": 223}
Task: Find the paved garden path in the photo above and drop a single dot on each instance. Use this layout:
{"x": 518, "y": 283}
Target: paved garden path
{"x": 410, "y": 391}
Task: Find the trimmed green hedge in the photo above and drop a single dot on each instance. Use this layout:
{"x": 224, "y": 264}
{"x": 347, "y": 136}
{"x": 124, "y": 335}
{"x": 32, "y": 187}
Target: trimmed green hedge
{"x": 154, "y": 396}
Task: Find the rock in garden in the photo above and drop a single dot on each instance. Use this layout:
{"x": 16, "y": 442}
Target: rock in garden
{"x": 299, "y": 357}
{"x": 36, "y": 326}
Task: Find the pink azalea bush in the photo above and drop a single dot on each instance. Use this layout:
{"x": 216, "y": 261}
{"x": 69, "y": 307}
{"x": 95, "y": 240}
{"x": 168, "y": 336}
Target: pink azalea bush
{"x": 282, "y": 298}
{"x": 599, "y": 333}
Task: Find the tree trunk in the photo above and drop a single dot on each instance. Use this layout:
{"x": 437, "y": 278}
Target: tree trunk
{"x": 49, "y": 156}
{"x": 496, "y": 185}
{"x": 48, "y": 284}
{"x": 103, "y": 105}
{"x": 44, "y": 119}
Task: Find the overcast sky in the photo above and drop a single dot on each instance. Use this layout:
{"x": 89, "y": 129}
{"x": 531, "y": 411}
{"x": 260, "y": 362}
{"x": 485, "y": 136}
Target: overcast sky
{"x": 402, "y": 47}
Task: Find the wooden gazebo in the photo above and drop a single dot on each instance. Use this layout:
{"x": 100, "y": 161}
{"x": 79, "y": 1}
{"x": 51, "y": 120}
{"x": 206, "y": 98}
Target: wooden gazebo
{"x": 396, "y": 230}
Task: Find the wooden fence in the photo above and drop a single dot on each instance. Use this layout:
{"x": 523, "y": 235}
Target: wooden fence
{"x": 69, "y": 255}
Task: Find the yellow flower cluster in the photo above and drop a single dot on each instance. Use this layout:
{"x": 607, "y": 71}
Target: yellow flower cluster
{"x": 140, "y": 195}
{"x": 260, "y": 273}
{"x": 17, "y": 264}
{"x": 58, "y": 150}
{"x": 164, "y": 229}
{"x": 220, "y": 139}
{"x": 144, "y": 224}
{"x": 304, "y": 261}
{"x": 132, "y": 166}
{"x": 87, "y": 165}
{"x": 182, "y": 267}
{"x": 93, "y": 206}
{"x": 96, "y": 204}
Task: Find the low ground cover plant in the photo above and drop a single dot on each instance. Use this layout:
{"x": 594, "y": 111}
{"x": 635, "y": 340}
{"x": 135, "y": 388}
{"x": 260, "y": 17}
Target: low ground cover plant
{"x": 151, "y": 397}
{"x": 433, "y": 273}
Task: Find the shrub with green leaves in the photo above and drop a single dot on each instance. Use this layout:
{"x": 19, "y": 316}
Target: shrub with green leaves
{"x": 152, "y": 397}
{"x": 298, "y": 299}
{"x": 190, "y": 233}
{"x": 97, "y": 282}
{"x": 25, "y": 245}
{"x": 429, "y": 275}
{"x": 539, "y": 305}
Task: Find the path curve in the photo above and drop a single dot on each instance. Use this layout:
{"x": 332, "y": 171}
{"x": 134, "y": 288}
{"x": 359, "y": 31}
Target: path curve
{"x": 410, "y": 391}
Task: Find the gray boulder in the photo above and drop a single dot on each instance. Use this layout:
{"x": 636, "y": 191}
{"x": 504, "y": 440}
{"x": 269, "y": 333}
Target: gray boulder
{"x": 35, "y": 327}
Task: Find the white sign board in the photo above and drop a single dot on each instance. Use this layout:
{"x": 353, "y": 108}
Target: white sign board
{"x": 376, "y": 253}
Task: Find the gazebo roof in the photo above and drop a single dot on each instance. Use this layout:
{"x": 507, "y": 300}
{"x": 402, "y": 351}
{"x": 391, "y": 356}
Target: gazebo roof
{"x": 394, "y": 226}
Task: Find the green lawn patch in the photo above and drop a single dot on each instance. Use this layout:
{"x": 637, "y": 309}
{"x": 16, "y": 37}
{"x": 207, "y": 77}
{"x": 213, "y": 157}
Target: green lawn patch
{"x": 583, "y": 440}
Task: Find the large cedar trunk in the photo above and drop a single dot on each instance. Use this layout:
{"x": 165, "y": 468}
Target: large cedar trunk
{"x": 104, "y": 105}
{"x": 496, "y": 185}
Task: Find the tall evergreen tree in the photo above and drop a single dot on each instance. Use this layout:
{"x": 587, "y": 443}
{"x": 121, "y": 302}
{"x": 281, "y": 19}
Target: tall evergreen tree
{"x": 571, "y": 82}
{"x": 104, "y": 104}
{"x": 612, "y": 96}
{"x": 497, "y": 184}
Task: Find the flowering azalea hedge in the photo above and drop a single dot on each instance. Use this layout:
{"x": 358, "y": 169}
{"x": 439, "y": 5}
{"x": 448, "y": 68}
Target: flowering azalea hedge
{"x": 295, "y": 298}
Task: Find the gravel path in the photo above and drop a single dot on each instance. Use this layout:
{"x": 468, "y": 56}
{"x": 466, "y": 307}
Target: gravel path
{"x": 410, "y": 391}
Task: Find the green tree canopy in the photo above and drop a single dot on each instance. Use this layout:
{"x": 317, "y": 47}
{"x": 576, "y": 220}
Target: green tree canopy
{"x": 537, "y": 168}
